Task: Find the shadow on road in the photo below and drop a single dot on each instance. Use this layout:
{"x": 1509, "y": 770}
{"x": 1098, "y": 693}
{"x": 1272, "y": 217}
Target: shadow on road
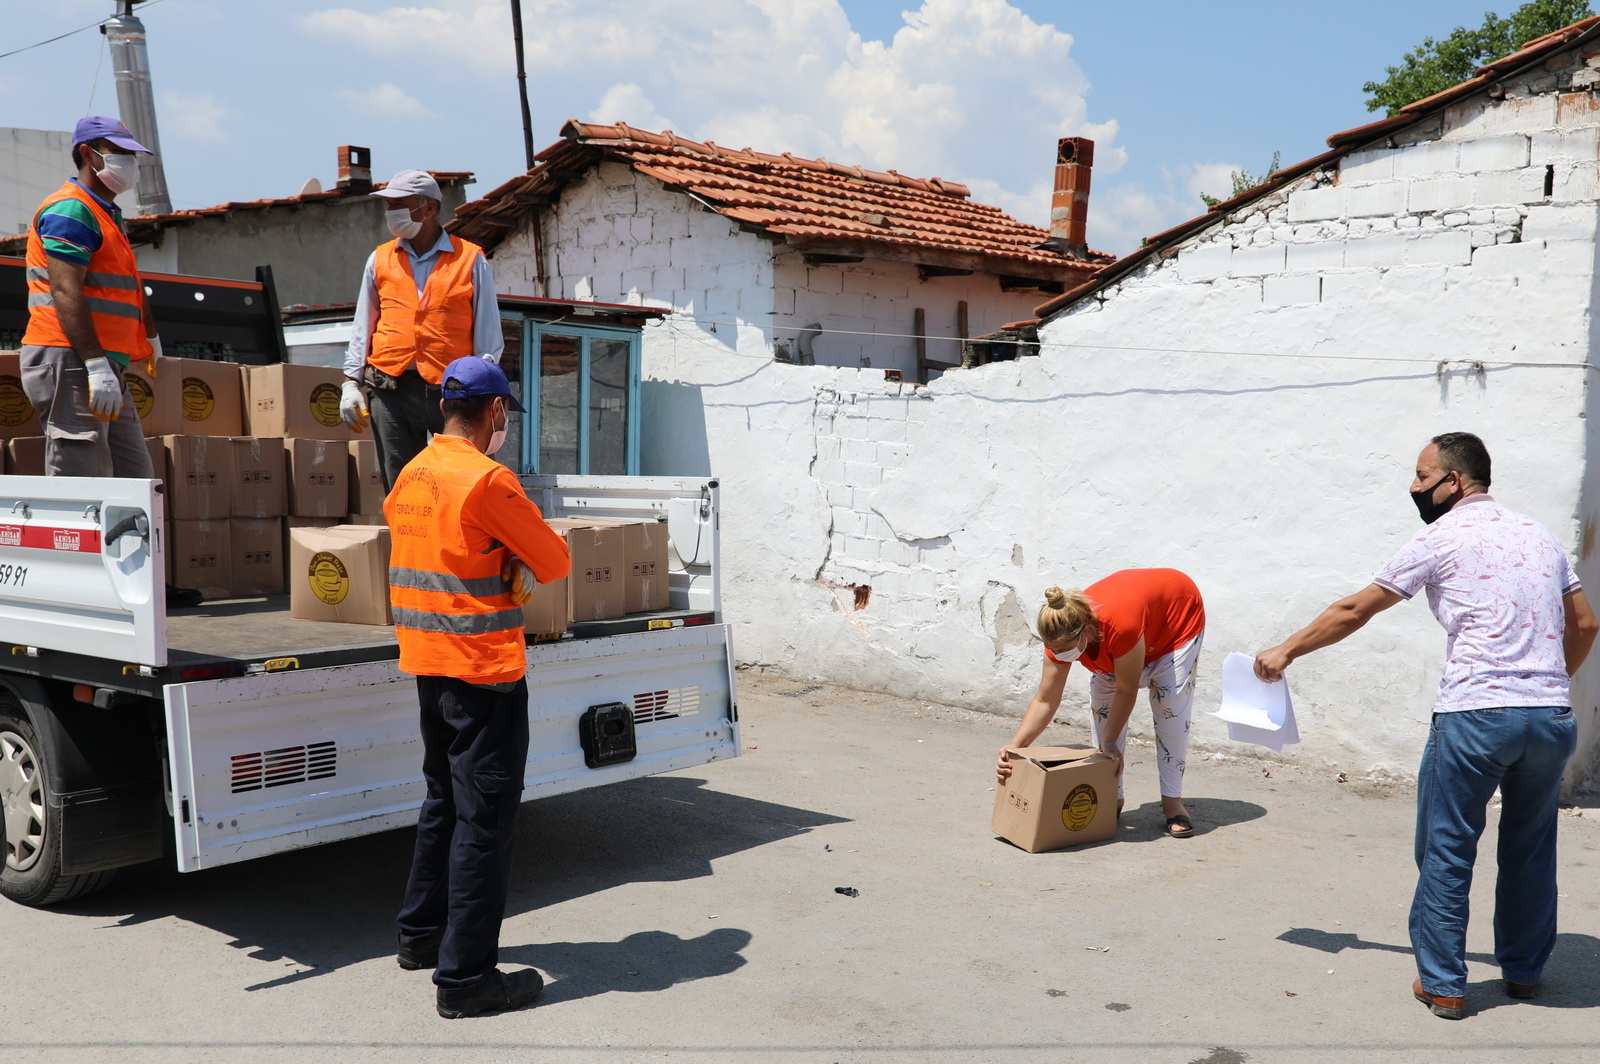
{"x": 1571, "y": 979}
{"x": 642, "y": 962}
{"x": 314, "y": 911}
{"x": 1147, "y": 822}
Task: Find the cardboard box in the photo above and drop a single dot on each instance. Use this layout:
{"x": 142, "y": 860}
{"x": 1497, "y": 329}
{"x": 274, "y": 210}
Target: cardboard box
{"x": 1056, "y": 797}
{"x": 366, "y": 479}
{"x": 596, "y": 589}
{"x": 255, "y": 548}
{"x": 319, "y": 478}
{"x": 301, "y": 402}
{"x": 158, "y": 456}
{"x": 365, "y": 519}
{"x": 291, "y": 523}
{"x": 257, "y": 477}
{"x": 198, "y": 554}
{"x": 158, "y": 400}
{"x": 198, "y": 470}
{"x": 340, "y": 574}
{"x": 211, "y": 395}
{"x": 17, "y": 415}
{"x": 25, "y": 456}
{"x": 644, "y": 550}
{"x": 545, "y": 615}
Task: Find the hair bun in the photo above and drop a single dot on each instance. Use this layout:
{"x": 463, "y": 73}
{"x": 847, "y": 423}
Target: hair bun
{"x": 1055, "y": 598}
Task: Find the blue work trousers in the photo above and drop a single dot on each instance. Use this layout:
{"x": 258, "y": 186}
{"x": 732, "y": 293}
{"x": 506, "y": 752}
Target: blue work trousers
{"x": 1469, "y": 753}
{"x": 474, "y": 753}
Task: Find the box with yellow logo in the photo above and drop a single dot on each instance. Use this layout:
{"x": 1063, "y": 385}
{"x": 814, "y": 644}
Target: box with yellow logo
{"x": 210, "y": 395}
{"x": 1056, "y": 797}
{"x": 297, "y": 401}
{"x": 340, "y": 574}
{"x": 157, "y": 399}
{"x": 17, "y": 415}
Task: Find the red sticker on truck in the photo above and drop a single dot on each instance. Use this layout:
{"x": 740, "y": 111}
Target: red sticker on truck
{"x": 43, "y": 537}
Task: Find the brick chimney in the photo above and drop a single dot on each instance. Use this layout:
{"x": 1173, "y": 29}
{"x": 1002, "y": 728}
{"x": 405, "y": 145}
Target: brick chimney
{"x": 355, "y": 169}
{"x": 1069, "y": 203}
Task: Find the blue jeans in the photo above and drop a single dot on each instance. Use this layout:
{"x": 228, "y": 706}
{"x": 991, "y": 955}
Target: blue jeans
{"x": 1469, "y": 753}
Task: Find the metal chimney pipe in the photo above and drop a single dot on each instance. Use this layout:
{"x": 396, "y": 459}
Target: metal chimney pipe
{"x": 131, "y": 62}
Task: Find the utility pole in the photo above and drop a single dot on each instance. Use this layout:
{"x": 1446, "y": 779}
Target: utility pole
{"x": 522, "y": 82}
{"x": 130, "y": 60}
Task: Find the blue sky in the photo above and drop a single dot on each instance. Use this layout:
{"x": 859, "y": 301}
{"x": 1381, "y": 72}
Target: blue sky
{"x": 253, "y": 99}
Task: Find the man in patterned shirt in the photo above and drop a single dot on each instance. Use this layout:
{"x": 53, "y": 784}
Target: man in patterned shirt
{"x": 1518, "y": 626}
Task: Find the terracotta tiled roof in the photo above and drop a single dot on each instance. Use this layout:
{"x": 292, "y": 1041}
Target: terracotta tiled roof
{"x": 143, "y": 229}
{"x": 1343, "y": 144}
{"x": 816, "y": 205}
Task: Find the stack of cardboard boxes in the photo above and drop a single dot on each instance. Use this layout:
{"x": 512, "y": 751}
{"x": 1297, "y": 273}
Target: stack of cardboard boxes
{"x": 267, "y": 491}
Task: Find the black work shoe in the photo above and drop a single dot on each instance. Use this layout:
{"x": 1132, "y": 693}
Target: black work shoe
{"x": 495, "y": 992}
{"x": 417, "y": 952}
{"x": 180, "y": 598}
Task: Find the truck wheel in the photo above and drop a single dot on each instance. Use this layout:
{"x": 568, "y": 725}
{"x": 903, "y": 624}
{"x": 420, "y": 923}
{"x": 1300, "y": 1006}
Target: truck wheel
{"x": 31, "y": 874}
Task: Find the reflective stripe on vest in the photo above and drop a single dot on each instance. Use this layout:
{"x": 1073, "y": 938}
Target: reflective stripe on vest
{"x": 422, "y": 580}
{"x": 432, "y": 331}
{"x": 460, "y": 624}
{"x": 112, "y": 291}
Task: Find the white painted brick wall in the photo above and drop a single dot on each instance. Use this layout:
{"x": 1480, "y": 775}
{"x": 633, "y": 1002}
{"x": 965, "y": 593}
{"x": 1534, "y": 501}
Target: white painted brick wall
{"x": 1254, "y": 261}
{"x": 1560, "y": 223}
{"x": 1511, "y": 186}
{"x": 1495, "y": 153}
{"x": 1483, "y": 117}
{"x": 1316, "y": 204}
{"x": 1427, "y": 158}
{"x": 1323, "y": 255}
{"x": 1205, "y": 263}
{"x": 1439, "y": 248}
{"x": 1509, "y": 260}
{"x": 1365, "y": 201}
{"x": 1387, "y": 249}
{"x": 1439, "y": 193}
{"x": 1287, "y": 291}
{"x": 1364, "y": 166}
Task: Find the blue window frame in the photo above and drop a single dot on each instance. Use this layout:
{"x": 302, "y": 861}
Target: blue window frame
{"x": 580, "y": 384}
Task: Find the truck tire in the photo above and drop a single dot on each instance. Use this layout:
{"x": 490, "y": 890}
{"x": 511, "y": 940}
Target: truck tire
{"x": 31, "y": 873}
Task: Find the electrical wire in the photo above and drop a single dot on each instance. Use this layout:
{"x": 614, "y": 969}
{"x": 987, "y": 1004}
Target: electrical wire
{"x": 69, "y": 33}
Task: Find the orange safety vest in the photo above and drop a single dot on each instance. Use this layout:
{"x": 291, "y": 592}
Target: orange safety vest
{"x": 112, "y": 287}
{"x": 453, "y": 613}
{"x": 433, "y": 331}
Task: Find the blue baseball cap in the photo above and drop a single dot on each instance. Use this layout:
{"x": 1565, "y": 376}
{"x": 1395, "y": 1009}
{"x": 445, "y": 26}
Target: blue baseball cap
{"x": 97, "y": 126}
{"x": 471, "y": 376}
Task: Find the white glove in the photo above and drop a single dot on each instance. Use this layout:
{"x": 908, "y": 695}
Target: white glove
{"x": 152, "y": 366}
{"x": 353, "y": 406}
{"x": 522, "y": 581}
{"x": 105, "y": 388}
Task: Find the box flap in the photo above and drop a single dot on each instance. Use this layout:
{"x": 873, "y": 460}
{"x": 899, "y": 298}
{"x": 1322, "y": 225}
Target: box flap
{"x": 1051, "y": 756}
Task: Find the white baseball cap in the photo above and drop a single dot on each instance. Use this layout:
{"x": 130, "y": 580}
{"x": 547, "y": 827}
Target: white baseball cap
{"x": 411, "y": 183}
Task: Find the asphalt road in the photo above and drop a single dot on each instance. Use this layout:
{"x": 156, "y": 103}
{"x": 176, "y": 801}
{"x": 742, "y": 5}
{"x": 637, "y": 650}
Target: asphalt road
{"x": 693, "y": 917}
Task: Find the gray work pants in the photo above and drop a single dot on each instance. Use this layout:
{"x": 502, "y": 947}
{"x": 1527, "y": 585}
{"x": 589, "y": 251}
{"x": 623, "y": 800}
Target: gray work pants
{"x": 76, "y": 443}
{"x": 402, "y": 417}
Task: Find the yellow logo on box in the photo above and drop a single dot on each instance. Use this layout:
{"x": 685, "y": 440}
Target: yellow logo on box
{"x": 325, "y": 406}
{"x": 328, "y": 578}
{"x": 14, "y": 406}
{"x": 144, "y": 400}
{"x": 198, "y": 402}
{"x": 1078, "y": 809}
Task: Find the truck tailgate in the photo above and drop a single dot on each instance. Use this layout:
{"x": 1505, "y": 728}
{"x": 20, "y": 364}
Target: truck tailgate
{"x": 266, "y": 763}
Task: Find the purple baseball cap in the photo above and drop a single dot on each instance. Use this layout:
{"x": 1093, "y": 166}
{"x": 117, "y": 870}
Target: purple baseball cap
{"x": 410, "y": 183}
{"x": 477, "y": 376}
{"x": 97, "y": 126}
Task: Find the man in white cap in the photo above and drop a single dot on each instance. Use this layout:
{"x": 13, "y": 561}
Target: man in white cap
{"x": 427, "y": 299}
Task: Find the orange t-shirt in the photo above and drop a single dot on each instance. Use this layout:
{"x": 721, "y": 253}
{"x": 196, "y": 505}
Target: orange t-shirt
{"x": 1163, "y": 605}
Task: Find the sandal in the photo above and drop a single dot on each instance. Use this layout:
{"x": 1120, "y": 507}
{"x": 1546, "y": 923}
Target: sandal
{"x": 1180, "y": 826}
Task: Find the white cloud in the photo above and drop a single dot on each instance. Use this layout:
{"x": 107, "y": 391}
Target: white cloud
{"x": 971, "y": 90}
{"x": 385, "y": 101}
{"x": 1120, "y": 216}
{"x": 199, "y": 118}
{"x": 628, "y": 103}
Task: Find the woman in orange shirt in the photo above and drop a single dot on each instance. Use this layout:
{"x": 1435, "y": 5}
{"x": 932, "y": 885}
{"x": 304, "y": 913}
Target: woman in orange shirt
{"x": 1136, "y": 628}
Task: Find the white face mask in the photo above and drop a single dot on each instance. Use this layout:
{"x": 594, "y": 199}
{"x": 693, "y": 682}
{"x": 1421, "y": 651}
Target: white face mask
{"x": 1065, "y": 656}
{"x": 498, "y": 440}
{"x": 401, "y": 224}
{"x": 119, "y": 172}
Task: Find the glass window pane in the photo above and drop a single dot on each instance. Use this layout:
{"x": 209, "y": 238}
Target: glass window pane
{"x": 510, "y": 455}
{"x": 558, "y": 403}
{"x": 608, "y": 407}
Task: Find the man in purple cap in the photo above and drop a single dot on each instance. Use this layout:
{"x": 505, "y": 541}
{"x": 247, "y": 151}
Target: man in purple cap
{"x": 88, "y": 317}
{"x": 427, "y": 298}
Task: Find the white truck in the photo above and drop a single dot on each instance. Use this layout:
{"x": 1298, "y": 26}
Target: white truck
{"x": 243, "y": 732}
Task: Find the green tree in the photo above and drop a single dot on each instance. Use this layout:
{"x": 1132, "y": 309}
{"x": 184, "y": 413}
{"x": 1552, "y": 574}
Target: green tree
{"x": 1434, "y": 66}
{"x": 1244, "y": 181}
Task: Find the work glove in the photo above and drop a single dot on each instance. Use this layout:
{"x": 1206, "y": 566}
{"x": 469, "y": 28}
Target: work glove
{"x": 353, "y": 407}
{"x": 522, "y": 581}
{"x": 105, "y": 388}
{"x": 152, "y": 365}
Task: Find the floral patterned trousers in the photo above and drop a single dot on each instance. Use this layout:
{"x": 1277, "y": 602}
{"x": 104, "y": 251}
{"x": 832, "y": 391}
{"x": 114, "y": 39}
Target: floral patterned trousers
{"x": 1170, "y": 681}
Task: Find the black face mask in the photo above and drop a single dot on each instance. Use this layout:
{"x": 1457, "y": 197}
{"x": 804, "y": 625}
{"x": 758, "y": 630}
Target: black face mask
{"x": 1429, "y": 510}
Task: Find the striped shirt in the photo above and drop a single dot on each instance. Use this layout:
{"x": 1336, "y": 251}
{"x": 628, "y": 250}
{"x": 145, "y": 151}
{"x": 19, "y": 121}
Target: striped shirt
{"x": 68, "y": 229}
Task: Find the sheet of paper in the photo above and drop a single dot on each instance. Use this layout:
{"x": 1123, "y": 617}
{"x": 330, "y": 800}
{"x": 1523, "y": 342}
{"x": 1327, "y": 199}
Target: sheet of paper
{"x": 1255, "y": 711}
